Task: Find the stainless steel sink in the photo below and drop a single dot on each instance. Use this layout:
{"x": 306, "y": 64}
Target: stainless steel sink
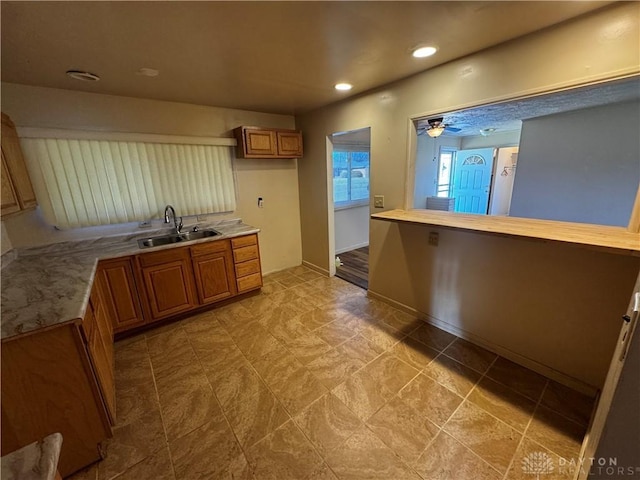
{"x": 176, "y": 238}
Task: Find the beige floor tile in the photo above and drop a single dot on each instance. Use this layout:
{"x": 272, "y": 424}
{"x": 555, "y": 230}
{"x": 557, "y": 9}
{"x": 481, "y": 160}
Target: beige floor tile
{"x": 211, "y": 451}
{"x": 298, "y": 390}
{"x": 362, "y": 394}
{"x": 413, "y": 352}
{"x": 502, "y": 402}
{"x": 237, "y": 385}
{"x": 557, "y": 433}
{"x": 532, "y": 460}
{"x": 276, "y": 366}
{"x": 432, "y": 336}
{"x": 403, "y": 429}
{"x": 187, "y": 411}
{"x": 308, "y": 347}
{"x": 134, "y": 399}
{"x": 256, "y": 417}
{"x": 332, "y": 368}
{"x": 327, "y": 422}
{"x": 290, "y": 281}
{"x": 319, "y": 317}
{"x": 568, "y": 402}
{"x": 360, "y": 349}
{"x": 258, "y": 344}
{"x": 277, "y": 316}
{"x": 382, "y": 335}
{"x": 207, "y": 344}
{"x": 391, "y": 372}
{"x": 284, "y": 297}
{"x": 202, "y": 324}
{"x": 448, "y": 459}
{"x": 284, "y": 454}
{"x": 157, "y": 466}
{"x": 453, "y": 375}
{"x": 271, "y": 287}
{"x": 365, "y": 457}
{"x": 431, "y": 399}
{"x": 494, "y": 441}
{"x": 335, "y": 333}
{"x": 289, "y": 331}
{"x": 524, "y": 381}
{"x": 323, "y": 472}
{"x": 217, "y": 365}
{"x": 470, "y": 355}
{"x": 401, "y": 321}
{"x": 131, "y": 444}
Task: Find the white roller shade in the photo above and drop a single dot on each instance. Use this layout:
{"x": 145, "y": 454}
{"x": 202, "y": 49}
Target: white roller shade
{"x": 80, "y": 183}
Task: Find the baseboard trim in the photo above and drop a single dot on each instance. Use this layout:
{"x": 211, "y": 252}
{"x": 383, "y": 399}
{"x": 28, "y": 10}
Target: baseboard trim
{"x": 352, "y": 247}
{"x": 526, "y": 362}
{"x": 316, "y": 268}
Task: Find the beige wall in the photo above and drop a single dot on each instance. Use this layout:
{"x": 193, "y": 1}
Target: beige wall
{"x": 463, "y": 281}
{"x": 274, "y": 181}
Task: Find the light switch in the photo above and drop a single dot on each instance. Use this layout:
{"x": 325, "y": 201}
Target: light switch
{"x": 378, "y": 201}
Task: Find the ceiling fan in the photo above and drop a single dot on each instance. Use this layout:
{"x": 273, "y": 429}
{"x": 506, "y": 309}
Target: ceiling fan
{"x": 435, "y": 127}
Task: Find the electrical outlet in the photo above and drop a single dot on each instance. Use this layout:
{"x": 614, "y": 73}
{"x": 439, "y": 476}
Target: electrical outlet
{"x": 378, "y": 201}
{"x": 434, "y": 238}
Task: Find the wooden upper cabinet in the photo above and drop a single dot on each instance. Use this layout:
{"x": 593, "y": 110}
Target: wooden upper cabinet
{"x": 17, "y": 191}
{"x": 120, "y": 293}
{"x": 167, "y": 277}
{"x": 256, "y": 142}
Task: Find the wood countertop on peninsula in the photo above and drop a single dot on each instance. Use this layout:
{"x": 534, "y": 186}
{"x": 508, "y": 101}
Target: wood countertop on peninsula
{"x": 617, "y": 240}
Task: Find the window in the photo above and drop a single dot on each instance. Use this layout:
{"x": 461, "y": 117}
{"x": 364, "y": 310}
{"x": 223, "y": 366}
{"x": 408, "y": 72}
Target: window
{"x": 81, "y": 183}
{"x": 445, "y": 166}
{"x": 350, "y": 176}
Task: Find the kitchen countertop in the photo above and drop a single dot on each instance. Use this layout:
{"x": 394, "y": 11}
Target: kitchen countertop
{"x": 51, "y": 284}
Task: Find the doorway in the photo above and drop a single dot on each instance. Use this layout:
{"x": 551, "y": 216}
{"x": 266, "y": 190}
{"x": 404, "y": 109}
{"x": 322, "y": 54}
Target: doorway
{"x": 350, "y": 160}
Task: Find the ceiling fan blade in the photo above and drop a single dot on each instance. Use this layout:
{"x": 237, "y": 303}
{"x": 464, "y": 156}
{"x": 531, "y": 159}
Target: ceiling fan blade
{"x": 452, "y": 129}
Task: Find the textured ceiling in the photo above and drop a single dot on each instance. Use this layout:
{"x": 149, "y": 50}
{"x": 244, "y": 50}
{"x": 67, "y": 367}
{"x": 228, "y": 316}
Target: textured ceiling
{"x": 280, "y": 57}
{"x": 508, "y": 116}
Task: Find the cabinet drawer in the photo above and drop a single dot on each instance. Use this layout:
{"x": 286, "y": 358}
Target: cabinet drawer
{"x": 245, "y": 253}
{"x": 249, "y": 282}
{"x": 163, "y": 256}
{"x": 244, "y": 241}
{"x": 210, "y": 247}
{"x": 247, "y": 268}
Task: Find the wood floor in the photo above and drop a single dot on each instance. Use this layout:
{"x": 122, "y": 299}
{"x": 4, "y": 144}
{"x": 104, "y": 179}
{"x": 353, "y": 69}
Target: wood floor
{"x": 355, "y": 268}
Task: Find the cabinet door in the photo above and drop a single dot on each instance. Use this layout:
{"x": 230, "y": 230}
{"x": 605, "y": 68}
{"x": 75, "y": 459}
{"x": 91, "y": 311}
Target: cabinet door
{"x": 16, "y": 165}
{"x": 9, "y": 198}
{"x": 168, "y": 282}
{"x": 260, "y": 142}
{"x": 120, "y": 293}
{"x": 289, "y": 144}
{"x": 100, "y": 346}
{"x": 214, "y": 274}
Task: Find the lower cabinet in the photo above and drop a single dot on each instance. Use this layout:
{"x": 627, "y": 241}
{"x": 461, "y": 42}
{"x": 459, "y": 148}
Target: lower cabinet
{"x": 60, "y": 379}
{"x": 213, "y": 269}
{"x": 168, "y": 282}
{"x": 246, "y": 260}
{"x": 120, "y": 293}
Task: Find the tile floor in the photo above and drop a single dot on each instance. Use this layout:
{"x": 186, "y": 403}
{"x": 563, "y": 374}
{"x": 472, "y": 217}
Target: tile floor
{"x": 310, "y": 379}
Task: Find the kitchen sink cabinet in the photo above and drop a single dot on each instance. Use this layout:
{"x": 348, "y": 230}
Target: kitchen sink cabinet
{"x": 213, "y": 269}
{"x": 256, "y": 142}
{"x": 120, "y": 293}
{"x": 17, "y": 191}
{"x": 168, "y": 282}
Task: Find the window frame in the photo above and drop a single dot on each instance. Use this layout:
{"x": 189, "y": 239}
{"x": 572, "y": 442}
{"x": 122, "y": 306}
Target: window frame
{"x": 345, "y": 204}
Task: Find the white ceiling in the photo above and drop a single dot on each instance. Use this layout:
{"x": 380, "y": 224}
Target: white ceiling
{"x": 280, "y": 57}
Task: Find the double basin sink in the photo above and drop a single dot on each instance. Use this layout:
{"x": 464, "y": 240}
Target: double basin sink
{"x": 176, "y": 238}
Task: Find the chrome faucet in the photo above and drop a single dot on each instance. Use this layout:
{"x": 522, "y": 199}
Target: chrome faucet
{"x": 169, "y": 212}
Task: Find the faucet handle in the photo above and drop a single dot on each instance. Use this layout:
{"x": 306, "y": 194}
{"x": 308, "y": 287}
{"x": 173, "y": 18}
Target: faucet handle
{"x": 179, "y": 227}
{"x": 196, "y": 228}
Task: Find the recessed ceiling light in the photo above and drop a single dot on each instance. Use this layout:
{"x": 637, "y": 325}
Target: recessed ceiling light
{"x": 343, "y": 86}
{"x": 485, "y": 132}
{"x": 424, "y": 52}
{"x": 148, "y": 72}
{"x": 83, "y": 76}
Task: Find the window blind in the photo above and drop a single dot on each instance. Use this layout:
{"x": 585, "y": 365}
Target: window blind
{"x": 82, "y": 183}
